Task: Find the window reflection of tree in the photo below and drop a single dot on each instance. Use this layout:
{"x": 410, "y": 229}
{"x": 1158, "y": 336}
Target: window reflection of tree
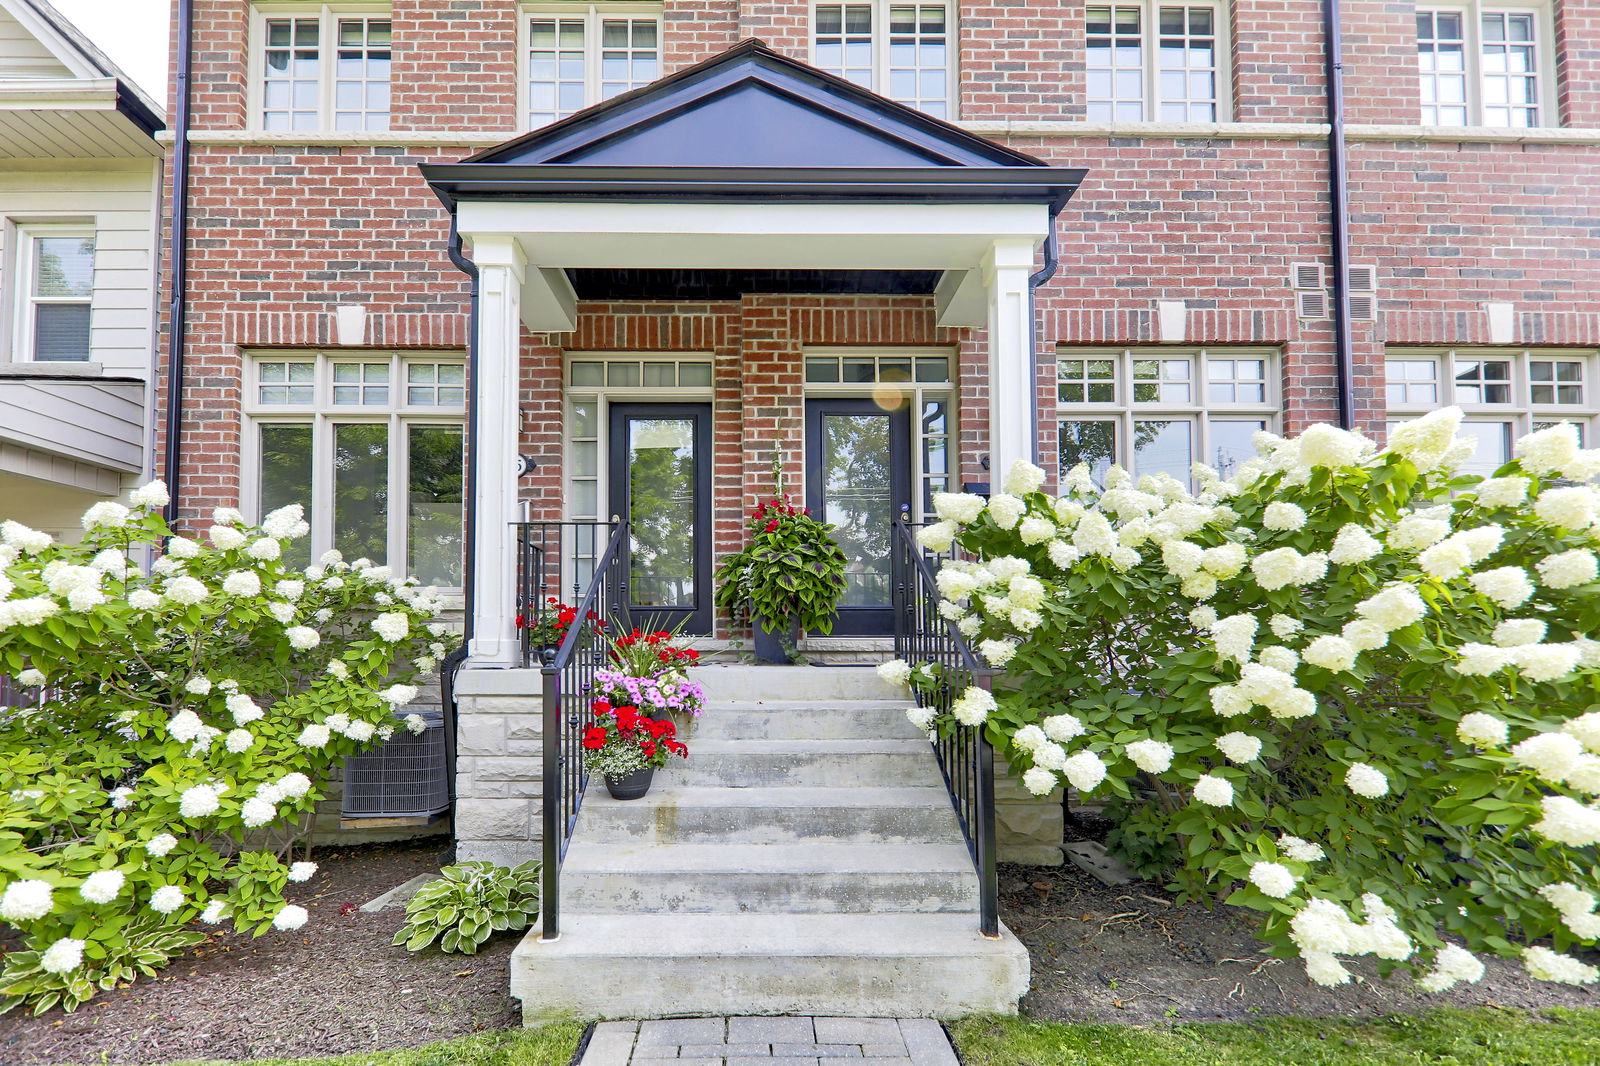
{"x": 661, "y": 488}
{"x": 361, "y": 491}
{"x": 857, "y": 473}
{"x": 286, "y": 479}
{"x": 435, "y": 497}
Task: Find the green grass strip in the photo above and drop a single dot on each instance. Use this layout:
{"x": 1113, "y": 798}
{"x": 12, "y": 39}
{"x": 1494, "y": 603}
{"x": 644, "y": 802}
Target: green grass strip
{"x": 1445, "y": 1037}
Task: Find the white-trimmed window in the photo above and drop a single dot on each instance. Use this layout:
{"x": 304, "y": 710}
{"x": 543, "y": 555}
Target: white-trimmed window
{"x": 1155, "y": 62}
{"x": 580, "y": 54}
{"x": 905, "y": 51}
{"x": 322, "y": 67}
{"x": 1483, "y": 64}
{"x": 54, "y": 292}
{"x": 1162, "y": 410}
{"x": 1504, "y": 392}
{"x": 371, "y": 444}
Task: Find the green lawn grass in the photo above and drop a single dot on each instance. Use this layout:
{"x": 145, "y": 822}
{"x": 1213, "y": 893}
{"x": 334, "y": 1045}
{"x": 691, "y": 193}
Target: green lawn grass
{"x": 1482, "y": 1037}
{"x": 550, "y": 1045}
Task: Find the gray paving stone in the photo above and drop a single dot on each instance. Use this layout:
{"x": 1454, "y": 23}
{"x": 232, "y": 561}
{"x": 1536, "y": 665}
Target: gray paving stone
{"x": 837, "y": 1051}
{"x": 858, "y": 1031}
{"x": 610, "y": 1046}
{"x": 770, "y": 1031}
{"x": 927, "y": 1042}
{"x": 680, "y": 1062}
{"x": 729, "y": 1051}
{"x": 884, "y": 1051}
{"x": 768, "y": 1060}
{"x": 674, "y": 1032}
{"x": 899, "y": 1060}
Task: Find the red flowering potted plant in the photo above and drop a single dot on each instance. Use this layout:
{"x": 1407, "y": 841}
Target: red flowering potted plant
{"x": 547, "y": 626}
{"x": 628, "y": 748}
{"x": 789, "y": 578}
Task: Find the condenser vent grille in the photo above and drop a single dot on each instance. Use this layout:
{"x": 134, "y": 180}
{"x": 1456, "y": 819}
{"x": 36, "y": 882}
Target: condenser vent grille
{"x": 1306, "y": 276}
{"x": 403, "y": 778}
{"x": 1311, "y": 304}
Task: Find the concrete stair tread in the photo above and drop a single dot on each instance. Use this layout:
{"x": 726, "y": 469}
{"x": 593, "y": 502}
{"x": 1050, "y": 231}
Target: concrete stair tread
{"x": 853, "y": 936}
{"x": 811, "y": 706}
{"x": 802, "y": 796}
{"x": 719, "y": 858}
{"x": 803, "y": 746}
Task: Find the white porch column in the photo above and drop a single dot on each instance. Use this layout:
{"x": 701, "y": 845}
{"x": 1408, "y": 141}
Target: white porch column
{"x": 501, "y": 268}
{"x": 1006, "y": 267}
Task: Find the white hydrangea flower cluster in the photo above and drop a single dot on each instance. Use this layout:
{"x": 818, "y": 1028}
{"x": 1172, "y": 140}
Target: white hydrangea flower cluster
{"x": 1323, "y": 931}
{"x": 1451, "y": 966}
{"x": 1576, "y": 908}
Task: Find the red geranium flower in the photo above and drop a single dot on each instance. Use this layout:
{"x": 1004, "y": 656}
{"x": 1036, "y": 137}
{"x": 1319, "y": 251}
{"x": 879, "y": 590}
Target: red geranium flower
{"x": 648, "y": 747}
{"x": 595, "y": 736}
{"x": 678, "y": 748}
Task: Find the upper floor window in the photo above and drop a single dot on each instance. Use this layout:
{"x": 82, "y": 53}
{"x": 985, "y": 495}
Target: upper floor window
{"x": 55, "y": 274}
{"x": 1505, "y": 393}
{"x": 1162, "y": 410}
{"x": 1154, "y": 62}
{"x": 579, "y": 55}
{"x": 1480, "y": 66}
{"x": 902, "y": 51}
{"x": 324, "y": 68}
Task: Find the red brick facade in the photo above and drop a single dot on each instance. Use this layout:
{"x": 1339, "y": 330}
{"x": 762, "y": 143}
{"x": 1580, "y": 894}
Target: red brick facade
{"x": 285, "y": 229}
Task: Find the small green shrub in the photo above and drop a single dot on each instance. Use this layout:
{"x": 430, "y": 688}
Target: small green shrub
{"x": 469, "y": 901}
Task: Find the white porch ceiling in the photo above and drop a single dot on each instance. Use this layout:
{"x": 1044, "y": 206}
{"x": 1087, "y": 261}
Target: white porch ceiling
{"x": 554, "y": 236}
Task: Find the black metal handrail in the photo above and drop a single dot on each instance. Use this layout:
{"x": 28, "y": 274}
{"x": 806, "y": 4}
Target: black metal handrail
{"x": 555, "y": 561}
{"x": 966, "y": 758}
{"x": 568, "y": 675}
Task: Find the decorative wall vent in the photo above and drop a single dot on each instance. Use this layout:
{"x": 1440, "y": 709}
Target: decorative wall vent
{"x": 1311, "y": 304}
{"x": 403, "y": 778}
{"x": 1363, "y": 288}
{"x": 1306, "y": 276}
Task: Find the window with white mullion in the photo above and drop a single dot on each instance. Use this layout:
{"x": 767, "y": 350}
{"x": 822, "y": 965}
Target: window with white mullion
{"x": 324, "y": 68}
{"x": 378, "y": 468}
{"x": 902, "y": 50}
{"x": 1160, "y": 411}
{"x": 1153, "y": 62}
{"x": 579, "y": 55}
{"x": 1504, "y": 394}
{"x": 54, "y": 293}
{"x": 1481, "y": 64}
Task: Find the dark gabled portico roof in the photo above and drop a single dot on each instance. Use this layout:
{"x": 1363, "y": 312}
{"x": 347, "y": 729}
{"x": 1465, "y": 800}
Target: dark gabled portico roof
{"x": 751, "y": 123}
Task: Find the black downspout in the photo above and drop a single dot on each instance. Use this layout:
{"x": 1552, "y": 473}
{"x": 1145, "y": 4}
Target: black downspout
{"x": 1339, "y": 211}
{"x": 179, "y": 243}
{"x": 453, "y": 661}
{"x": 1035, "y": 280}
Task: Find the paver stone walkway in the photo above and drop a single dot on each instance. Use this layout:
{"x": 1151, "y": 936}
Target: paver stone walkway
{"x": 771, "y": 1042}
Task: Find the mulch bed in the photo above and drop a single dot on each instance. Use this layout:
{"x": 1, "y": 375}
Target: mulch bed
{"x": 1125, "y": 954}
{"x": 1130, "y": 954}
{"x": 334, "y": 986}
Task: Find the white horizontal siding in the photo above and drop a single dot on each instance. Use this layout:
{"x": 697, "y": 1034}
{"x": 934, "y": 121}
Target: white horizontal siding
{"x": 22, "y": 56}
{"x": 120, "y": 201}
{"x": 99, "y": 422}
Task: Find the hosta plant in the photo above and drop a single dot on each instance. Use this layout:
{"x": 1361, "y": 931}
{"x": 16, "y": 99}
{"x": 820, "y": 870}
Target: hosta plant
{"x": 176, "y": 725}
{"x": 467, "y": 903}
{"x": 1353, "y": 690}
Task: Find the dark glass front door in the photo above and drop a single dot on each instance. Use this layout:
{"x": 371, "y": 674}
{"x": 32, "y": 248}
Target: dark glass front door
{"x": 858, "y": 477}
{"x": 661, "y": 485}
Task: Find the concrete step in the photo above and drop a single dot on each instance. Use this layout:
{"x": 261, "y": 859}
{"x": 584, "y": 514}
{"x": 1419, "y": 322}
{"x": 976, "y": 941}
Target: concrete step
{"x": 676, "y": 813}
{"x": 734, "y": 878}
{"x": 802, "y": 720}
{"x": 737, "y": 681}
{"x": 815, "y": 763}
{"x": 848, "y": 965}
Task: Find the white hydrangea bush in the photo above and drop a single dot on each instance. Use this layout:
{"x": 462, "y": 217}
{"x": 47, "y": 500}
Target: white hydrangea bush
{"x": 175, "y": 727}
{"x": 1351, "y": 689}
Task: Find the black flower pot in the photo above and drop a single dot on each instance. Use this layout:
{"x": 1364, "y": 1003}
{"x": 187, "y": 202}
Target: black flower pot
{"x": 630, "y": 786}
{"x": 769, "y": 645}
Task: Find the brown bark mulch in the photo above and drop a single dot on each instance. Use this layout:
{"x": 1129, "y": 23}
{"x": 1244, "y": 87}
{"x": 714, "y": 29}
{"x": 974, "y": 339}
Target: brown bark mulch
{"x": 334, "y": 986}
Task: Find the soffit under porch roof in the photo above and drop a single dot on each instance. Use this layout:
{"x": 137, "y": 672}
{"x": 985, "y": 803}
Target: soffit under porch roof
{"x": 751, "y": 162}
